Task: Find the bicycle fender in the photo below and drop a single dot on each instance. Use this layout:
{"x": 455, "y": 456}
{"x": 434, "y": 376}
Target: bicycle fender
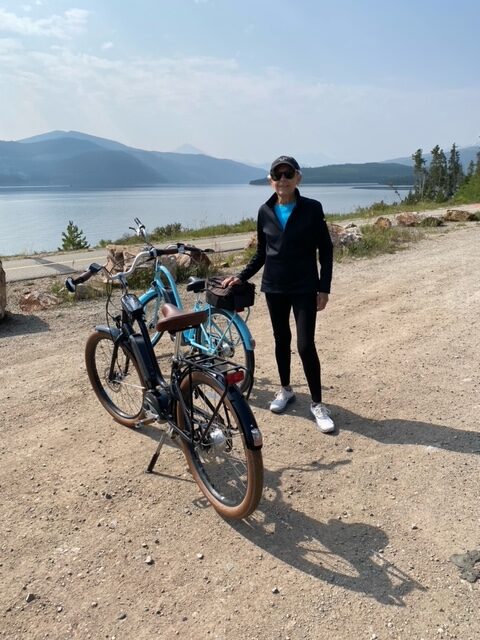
{"x": 253, "y": 435}
{"x": 109, "y": 331}
{"x": 115, "y": 334}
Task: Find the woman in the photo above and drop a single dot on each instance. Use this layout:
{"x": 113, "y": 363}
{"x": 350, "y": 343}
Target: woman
{"x": 290, "y": 230}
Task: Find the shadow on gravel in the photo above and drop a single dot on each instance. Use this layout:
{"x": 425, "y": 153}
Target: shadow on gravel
{"x": 17, "y": 324}
{"x": 344, "y": 554}
{"x": 388, "y": 431}
{"x": 395, "y": 431}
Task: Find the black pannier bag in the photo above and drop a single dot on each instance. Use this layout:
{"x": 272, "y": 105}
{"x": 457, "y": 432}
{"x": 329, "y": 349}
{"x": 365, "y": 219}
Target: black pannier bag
{"x": 233, "y": 298}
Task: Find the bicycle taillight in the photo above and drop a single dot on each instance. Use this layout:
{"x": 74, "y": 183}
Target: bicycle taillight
{"x": 234, "y": 376}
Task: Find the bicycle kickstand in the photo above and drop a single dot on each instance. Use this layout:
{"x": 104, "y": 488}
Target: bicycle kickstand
{"x": 155, "y": 456}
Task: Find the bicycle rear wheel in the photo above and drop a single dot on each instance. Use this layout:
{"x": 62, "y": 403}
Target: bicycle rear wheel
{"x": 115, "y": 378}
{"x": 224, "y": 339}
{"x": 228, "y": 473}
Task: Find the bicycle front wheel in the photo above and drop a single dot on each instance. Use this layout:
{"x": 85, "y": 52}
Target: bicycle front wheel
{"x": 115, "y": 378}
{"x": 228, "y": 473}
{"x": 223, "y": 338}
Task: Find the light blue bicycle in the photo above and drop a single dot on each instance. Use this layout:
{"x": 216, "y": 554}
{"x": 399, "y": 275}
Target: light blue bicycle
{"x": 224, "y": 334}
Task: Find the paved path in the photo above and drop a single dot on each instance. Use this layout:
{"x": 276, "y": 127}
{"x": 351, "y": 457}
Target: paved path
{"x": 42, "y": 265}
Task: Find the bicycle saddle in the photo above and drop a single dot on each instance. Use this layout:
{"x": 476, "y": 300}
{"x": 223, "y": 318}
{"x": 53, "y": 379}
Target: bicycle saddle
{"x": 195, "y": 284}
{"x": 177, "y": 320}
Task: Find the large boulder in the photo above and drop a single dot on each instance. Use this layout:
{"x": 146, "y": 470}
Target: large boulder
{"x": 344, "y": 236}
{"x": 382, "y": 223}
{"x": 3, "y": 292}
{"x": 120, "y": 258}
{"x": 408, "y": 219}
{"x": 459, "y": 215}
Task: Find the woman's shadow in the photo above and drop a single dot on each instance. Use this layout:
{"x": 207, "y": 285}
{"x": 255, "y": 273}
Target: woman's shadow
{"x": 397, "y": 431}
{"x": 348, "y": 555}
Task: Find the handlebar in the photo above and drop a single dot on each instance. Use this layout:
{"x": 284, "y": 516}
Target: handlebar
{"x": 71, "y": 283}
{"x": 148, "y": 254}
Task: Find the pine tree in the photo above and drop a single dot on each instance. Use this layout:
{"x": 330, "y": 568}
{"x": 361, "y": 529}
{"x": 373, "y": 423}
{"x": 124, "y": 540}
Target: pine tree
{"x": 455, "y": 176}
{"x": 436, "y": 186}
{"x": 420, "y": 175}
{"x": 73, "y": 238}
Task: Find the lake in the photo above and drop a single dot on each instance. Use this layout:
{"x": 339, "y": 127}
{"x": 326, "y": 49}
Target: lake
{"x": 32, "y": 220}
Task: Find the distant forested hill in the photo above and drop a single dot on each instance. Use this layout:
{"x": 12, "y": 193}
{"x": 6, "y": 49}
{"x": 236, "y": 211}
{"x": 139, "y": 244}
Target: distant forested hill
{"x": 467, "y": 155}
{"x": 367, "y": 173}
{"x": 61, "y": 158}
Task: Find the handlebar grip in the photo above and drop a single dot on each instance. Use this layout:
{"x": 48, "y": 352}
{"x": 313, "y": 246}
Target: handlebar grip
{"x": 71, "y": 283}
{"x": 194, "y": 249}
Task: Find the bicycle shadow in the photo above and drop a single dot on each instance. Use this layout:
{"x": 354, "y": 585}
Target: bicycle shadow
{"x": 18, "y": 324}
{"x": 347, "y": 554}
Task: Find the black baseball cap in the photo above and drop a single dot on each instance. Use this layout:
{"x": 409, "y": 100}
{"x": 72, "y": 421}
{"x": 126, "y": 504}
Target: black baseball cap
{"x": 285, "y": 160}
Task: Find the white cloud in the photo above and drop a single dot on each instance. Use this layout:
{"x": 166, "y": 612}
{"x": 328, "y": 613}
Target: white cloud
{"x": 107, "y": 45}
{"x": 214, "y": 105}
{"x": 9, "y": 44}
{"x": 59, "y": 26}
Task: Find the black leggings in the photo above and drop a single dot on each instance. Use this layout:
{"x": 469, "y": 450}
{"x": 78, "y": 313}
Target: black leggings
{"x": 304, "y": 307}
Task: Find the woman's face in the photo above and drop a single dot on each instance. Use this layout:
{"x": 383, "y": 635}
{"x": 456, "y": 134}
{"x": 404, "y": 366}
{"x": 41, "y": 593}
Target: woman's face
{"x": 284, "y": 181}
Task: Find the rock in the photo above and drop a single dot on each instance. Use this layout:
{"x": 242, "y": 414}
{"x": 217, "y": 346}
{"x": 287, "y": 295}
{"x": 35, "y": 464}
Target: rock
{"x": 149, "y": 560}
{"x": 344, "y": 236}
{"x": 30, "y": 597}
{"x": 120, "y": 258}
{"x": 3, "y": 292}
{"x": 90, "y": 290}
{"x": 408, "y": 219}
{"x": 468, "y": 563}
{"x": 37, "y": 300}
{"x": 459, "y": 215}
{"x": 382, "y": 223}
{"x": 252, "y": 243}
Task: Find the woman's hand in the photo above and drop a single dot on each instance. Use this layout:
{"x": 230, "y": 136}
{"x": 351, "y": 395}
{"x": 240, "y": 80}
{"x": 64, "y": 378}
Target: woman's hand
{"x": 322, "y": 299}
{"x": 231, "y": 280}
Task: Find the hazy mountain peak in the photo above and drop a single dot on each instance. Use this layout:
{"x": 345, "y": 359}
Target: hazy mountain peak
{"x": 188, "y": 148}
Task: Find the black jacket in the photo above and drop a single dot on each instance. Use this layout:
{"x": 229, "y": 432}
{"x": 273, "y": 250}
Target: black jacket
{"x": 290, "y": 255}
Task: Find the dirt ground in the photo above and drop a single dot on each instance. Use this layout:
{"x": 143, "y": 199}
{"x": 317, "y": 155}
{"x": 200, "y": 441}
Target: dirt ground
{"x": 354, "y": 534}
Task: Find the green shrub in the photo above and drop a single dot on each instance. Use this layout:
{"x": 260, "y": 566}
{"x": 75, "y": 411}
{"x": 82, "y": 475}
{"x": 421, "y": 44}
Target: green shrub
{"x": 378, "y": 241}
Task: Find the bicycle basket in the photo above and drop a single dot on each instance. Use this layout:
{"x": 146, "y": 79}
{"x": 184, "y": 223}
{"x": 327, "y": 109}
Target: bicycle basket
{"x": 233, "y": 298}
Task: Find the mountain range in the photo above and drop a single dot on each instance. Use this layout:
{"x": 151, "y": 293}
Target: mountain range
{"x": 71, "y": 158}
{"x": 80, "y": 160}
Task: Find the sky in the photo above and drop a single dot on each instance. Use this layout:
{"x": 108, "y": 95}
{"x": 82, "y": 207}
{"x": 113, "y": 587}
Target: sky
{"x": 325, "y": 81}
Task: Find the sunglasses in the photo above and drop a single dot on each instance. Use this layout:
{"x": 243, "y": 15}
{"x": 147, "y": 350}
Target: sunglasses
{"x": 286, "y": 173}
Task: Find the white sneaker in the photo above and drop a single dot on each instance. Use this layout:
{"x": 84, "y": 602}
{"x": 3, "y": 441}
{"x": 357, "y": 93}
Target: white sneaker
{"x": 322, "y": 417}
{"x": 283, "y": 397}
